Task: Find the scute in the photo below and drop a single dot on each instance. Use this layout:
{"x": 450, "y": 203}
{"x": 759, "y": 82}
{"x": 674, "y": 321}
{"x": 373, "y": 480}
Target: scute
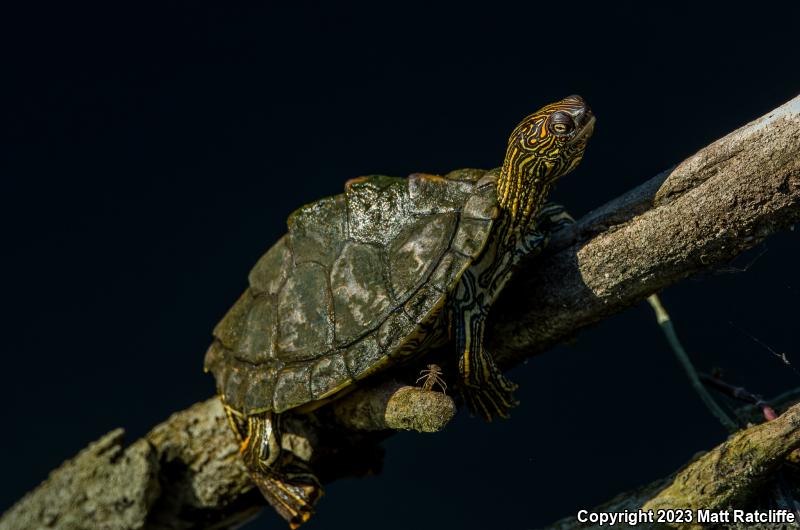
{"x": 271, "y": 271}
{"x": 257, "y": 344}
{"x": 293, "y": 387}
{"x": 471, "y": 236}
{"x": 261, "y": 386}
{"x": 235, "y": 387}
{"x": 480, "y": 206}
{"x": 452, "y": 265}
{"x": 245, "y": 386}
{"x": 430, "y": 194}
{"x": 393, "y": 330}
{"x": 377, "y": 209}
{"x": 363, "y": 357}
{"x": 351, "y": 288}
{"x": 361, "y": 295}
{"x": 229, "y": 329}
{"x": 328, "y": 374}
{"x": 317, "y": 230}
{"x": 468, "y": 174}
{"x": 424, "y": 300}
{"x": 304, "y": 309}
{"x": 417, "y": 250}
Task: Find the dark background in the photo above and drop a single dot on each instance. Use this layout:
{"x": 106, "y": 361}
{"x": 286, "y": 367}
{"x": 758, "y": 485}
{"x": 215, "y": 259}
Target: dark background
{"x": 151, "y": 153}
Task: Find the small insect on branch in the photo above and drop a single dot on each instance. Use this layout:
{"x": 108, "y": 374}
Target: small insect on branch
{"x": 432, "y": 376}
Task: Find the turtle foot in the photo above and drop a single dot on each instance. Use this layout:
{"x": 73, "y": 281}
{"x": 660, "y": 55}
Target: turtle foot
{"x": 493, "y": 399}
{"x": 293, "y": 495}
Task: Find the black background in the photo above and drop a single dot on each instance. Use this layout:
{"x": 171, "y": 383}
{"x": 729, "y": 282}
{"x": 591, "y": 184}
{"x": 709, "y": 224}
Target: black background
{"x": 151, "y": 153}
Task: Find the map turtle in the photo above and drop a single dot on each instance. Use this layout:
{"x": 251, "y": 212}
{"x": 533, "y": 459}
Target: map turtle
{"x": 381, "y": 274}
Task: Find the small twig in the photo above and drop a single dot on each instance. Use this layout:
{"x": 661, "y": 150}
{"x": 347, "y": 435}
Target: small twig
{"x": 665, "y": 322}
{"x": 740, "y": 393}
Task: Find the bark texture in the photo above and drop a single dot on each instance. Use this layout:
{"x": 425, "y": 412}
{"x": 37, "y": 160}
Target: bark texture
{"x": 740, "y": 472}
{"x": 393, "y": 405}
{"x": 724, "y": 199}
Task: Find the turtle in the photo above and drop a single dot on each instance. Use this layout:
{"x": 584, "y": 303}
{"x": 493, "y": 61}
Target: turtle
{"x": 379, "y": 275}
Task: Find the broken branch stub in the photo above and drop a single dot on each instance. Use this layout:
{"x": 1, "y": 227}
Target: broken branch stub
{"x": 395, "y": 406}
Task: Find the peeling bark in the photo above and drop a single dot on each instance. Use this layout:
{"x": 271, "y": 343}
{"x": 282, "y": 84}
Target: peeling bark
{"x": 104, "y": 486}
{"x": 186, "y": 473}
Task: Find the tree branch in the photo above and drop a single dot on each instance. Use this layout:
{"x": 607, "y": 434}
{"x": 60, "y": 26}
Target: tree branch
{"x": 730, "y": 475}
{"x": 726, "y": 198}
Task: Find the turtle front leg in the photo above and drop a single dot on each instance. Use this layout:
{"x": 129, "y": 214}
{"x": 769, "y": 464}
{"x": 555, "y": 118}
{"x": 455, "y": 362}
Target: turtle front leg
{"x": 486, "y": 390}
{"x": 286, "y": 482}
{"x": 551, "y": 218}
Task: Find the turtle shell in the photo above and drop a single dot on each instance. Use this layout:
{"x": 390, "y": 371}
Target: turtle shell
{"x": 355, "y": 286}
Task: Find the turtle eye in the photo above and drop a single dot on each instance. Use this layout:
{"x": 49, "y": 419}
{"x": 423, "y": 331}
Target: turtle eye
{"x": 561, "y": 123}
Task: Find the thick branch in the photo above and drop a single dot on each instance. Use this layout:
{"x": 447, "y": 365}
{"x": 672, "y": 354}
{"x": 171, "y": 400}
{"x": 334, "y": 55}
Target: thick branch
{"x": 719, "y": 202}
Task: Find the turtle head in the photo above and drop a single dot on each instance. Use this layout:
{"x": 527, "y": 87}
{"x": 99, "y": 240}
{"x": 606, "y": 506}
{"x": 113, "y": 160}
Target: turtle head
{"x": 545, "y": 146}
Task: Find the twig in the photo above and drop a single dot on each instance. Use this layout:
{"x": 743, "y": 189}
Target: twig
{"x": 669, "y": 331}
{"x": 740, "y": 393}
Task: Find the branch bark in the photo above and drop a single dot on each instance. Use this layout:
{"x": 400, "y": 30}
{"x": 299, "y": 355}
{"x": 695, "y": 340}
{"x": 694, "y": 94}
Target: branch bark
{"x": 724, "y": 199}
{"x": 730, "y": 475}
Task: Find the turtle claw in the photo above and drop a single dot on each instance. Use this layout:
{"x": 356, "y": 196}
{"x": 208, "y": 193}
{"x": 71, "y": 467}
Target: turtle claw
{"x": 491, "y": 401}
{"x": 486, "y": 390}
{"x": 292, "y": 496}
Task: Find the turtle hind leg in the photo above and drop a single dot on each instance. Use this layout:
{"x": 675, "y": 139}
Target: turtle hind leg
{"x": 292, "y": 495}
{"x": 289, "y": 485}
